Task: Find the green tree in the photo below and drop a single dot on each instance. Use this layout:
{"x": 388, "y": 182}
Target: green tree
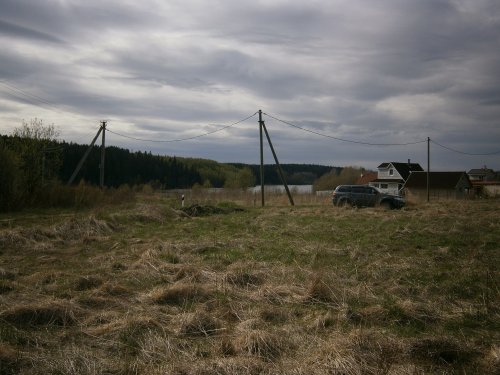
{"x": 39, "y": 156}
{"x": 242, "y": 179}
{"x": 9, "y": 178}
{"x": 329, "y": 181}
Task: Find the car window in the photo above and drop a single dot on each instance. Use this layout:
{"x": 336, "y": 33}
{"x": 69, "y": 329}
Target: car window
{"x": 343, "y": 189}
{"x": 358, "y": 189}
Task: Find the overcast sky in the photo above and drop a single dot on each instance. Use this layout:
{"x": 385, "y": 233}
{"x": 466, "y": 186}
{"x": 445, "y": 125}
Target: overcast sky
{"x": 375, "y": 71}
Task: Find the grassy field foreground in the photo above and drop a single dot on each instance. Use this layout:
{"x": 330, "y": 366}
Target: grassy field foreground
{"x": 220, "y": 289}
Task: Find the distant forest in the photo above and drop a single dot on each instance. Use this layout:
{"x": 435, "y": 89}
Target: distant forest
{"x": 123, "y": 167}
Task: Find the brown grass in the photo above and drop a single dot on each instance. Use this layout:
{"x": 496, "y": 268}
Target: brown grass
{"x": 263, "y": 344}
{"x": 181, "y": 294}
{"x": 55, "y": 313}
{"x": 200, "y": 324}
{"x": 297, "y": 291}
{"x": 9, "y": 359}
{"x": 88, "y": 282}
{"x": 244, "y": 278}
{"x": 321, "y": 290}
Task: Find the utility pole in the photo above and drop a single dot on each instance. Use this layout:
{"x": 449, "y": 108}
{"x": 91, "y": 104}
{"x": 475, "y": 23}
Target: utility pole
{"x": 103, "y": 152}
{"x": 262, "y": 126}
{"x": 428, "y": 167}
{"x": 261, "y": 159}
{"x": 84, "y": 157}
{"x": 280, "y": 171}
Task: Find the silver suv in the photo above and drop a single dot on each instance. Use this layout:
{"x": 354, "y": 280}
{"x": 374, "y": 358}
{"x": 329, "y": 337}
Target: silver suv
{"x": 365, "y": 196}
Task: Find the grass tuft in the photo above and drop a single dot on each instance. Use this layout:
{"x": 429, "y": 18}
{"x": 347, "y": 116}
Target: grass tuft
{"x": 200, "y": 324}
{"x": 441, "y": 350}
{"x": 244, "y": 278}
{"x": 88, "y": 282}
{"x": 263, "y": 344}
{"x": 321, "y": 291}
{"x": 181, "y": 294}
{"x": 48, "y": 313}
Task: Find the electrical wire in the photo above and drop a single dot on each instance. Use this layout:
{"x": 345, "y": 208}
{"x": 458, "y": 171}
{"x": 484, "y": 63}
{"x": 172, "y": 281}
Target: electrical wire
{"x": 32, "y": 97}
{"x": 29, "y": 96}
{"x": 463, "y": 152}
{"x": 182, "y": 139}
{"x": 342, "y": 139}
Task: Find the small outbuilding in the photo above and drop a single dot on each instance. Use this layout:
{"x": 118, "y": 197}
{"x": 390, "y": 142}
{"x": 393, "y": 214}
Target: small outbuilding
{"x": 442, "y": 185}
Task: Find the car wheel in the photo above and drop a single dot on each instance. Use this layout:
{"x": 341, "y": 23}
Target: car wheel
{"x": 343, "y": 203}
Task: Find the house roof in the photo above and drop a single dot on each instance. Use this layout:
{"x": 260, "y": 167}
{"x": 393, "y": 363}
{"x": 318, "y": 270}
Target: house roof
{"x": 481, "y": 171}
{"x": 403, "y": 169}
{"x": 366, "y": 178}
{"x": 437, "y": 180}
{"x": 386, "y": 180}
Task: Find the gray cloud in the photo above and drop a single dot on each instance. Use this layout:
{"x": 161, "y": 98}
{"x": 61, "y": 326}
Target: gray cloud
{"x": 14, "y": 30}
{"x": 389, "y": 71}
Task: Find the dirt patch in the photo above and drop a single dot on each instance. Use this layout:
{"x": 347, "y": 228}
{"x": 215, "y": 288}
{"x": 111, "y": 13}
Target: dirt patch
{"x": 207, "y": 210}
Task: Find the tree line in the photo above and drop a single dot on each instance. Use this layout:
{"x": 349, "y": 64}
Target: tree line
{"x": 34, "y": 161}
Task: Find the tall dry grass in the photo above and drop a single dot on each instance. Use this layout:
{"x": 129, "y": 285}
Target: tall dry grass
{"x": 314, "y": 289}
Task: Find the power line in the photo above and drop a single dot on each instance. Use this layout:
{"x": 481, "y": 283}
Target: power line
{"x": 182, "y": 139}
{"x": 29, "y": 96}
{"x": 33, "y": 97}
{"x": 343, "y": 139}
{"x": 463, "y": 152}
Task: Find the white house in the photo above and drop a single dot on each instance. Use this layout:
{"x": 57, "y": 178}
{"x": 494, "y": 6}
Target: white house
{"x": 391, "y": 176}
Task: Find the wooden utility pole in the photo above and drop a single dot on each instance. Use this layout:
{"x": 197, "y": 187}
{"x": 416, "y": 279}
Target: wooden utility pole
{"x": 103, "y": 152}
{"x": 261, "y": 159}
{"x": 262, "y": 126}
{"x": 280, "y": 171}
{"x": 84, "y": 157}
{"x": 428, "y": 167}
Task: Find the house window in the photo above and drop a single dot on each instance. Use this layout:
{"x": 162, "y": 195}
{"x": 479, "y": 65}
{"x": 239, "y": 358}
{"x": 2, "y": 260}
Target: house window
{"x": 391, "y": 172}
{"x": 384, "y": 186}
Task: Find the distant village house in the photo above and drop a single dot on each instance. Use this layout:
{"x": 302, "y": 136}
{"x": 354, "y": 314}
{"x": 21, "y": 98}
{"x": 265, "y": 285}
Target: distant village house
{"x": 391, "y": 176}
{"x": 485, "y": 182}
{"x": 442, "y": 185}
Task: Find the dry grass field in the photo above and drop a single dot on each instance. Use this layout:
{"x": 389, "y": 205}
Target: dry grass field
{"x": 148, "y": 288}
